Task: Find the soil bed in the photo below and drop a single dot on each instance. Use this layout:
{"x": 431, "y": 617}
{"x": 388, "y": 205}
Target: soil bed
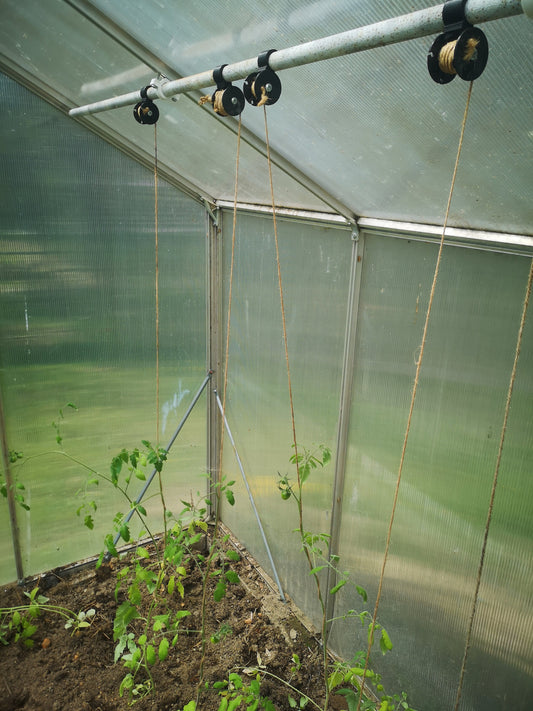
{"x": 76, "y": 672}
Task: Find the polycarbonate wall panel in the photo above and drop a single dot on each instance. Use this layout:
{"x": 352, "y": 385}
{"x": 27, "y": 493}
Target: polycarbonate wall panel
{"x": 447, "y": 476}
{"x": 315, "y": 266}
{"x": 77, "y": 290}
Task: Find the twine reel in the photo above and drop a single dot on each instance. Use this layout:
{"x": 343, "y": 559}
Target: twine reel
{"x": 146, "y": 112}
{"x": 227, "y": 100}
{"x": 463, "y": 54}
{"x": 262, "y": 87}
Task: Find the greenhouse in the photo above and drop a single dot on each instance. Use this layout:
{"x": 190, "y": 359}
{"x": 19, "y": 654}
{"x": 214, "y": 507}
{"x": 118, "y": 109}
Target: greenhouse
{"x": 266, "y": 355}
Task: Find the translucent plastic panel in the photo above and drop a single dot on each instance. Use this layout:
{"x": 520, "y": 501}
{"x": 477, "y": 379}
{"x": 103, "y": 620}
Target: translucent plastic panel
{"x": 372, "y": 128}
{"x": 447, "y": 476}
{"x": 77, "y": 292}
{"x": 315, "y": 264}
{"x": 68, "y": 56}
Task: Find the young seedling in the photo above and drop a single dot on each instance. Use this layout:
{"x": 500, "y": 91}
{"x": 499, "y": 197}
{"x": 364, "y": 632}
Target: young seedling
{"x": 315, "y": 547}
{"x": 18, "y": 486}
{"x": 19, "y": 623}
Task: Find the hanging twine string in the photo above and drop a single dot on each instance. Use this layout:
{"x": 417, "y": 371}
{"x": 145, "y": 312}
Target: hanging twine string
{"x": 156, "y": 222}
{"x": 280, "y": 285}
{"x": 413, "y": 397}
{"x": 210, "y": 558}
{"x": 494, "y": 484}
{"x": 156, "y": 230}
{"x": 230, "y": 294}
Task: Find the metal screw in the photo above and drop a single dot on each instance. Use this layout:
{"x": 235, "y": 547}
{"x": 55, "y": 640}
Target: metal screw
{"x": 268, "y": 88}
{"x": 234, "y": 100}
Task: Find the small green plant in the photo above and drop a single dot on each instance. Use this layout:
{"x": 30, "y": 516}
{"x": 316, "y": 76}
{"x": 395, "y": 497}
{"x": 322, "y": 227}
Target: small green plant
{"x": 19, "y": 623}
{"x": 237, "y": 692}
{"x": 81, "y": 621}
{"x": 315, "y": 546}
{"x": 19, "y": 488}
{"x": 223, "y": 631}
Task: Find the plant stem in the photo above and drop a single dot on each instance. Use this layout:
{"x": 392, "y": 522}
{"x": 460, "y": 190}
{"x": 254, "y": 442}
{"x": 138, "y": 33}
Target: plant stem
{"x": 301, "y": 529}
{"x": 208, "y": 565}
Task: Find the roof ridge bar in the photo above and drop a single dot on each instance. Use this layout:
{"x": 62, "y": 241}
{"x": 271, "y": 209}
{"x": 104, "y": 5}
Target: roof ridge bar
{"x": 398, "y": 29}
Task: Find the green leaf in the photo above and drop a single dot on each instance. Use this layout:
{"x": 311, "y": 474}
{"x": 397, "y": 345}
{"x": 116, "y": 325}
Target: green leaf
{"x": 362, "y": 592}
{"x": 109, "y": 544}
{"x": 142, "y": 552}
{"x": 220, "y": 591}
{"x": 292, "y": 703}
{"x": 150, "y": 654}
{"x": 141, "y": 509}
{"x": 385, "y": 642}
{"x": 232, "y": 577}
{"x": 126, "y": 684}
{"x": 171, "y": 584}
{"x": 236, "y": 680}
{"x": 230, "y": 497}
{"x": 191, "y": 706}
{"x": 316, "y": 570}
{"x": 140, "y": 474}
{"x": 180, "y": 614}
{"x": 235, "y": 703}
{"x": 163, "y": 649}
{"x": 89, "y": 521}
{"x": 337, "y": 587}
{"x": 126, "y": 612}
{"x": 233, "y": 555}
{"x": 125, "y": 532}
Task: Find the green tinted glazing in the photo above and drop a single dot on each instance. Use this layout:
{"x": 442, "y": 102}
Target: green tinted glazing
{"x": 447, "y": 476}
{"x": 78, "y": 319}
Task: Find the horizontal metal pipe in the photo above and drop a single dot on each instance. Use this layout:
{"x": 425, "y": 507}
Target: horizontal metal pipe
{"x": 398, "y": 29}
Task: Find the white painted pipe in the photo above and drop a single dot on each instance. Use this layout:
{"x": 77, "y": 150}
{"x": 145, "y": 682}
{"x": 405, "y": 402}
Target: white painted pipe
{"x": 398, "y": 29}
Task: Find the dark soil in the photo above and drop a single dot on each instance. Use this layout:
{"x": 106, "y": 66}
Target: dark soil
{"x": 76, "y": 672}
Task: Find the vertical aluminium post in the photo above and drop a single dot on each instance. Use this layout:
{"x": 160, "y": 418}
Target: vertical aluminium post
{"x": 214, "y": 339}
{"x": 344, "y": 414}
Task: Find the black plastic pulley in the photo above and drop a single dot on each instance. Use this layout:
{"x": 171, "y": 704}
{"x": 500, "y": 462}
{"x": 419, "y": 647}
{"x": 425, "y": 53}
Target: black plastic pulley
{"x": 145, "y": 112}
{"x": 264, "y": 86}
{"x": 227, "y": 100}
{"x": 462, "y": 50}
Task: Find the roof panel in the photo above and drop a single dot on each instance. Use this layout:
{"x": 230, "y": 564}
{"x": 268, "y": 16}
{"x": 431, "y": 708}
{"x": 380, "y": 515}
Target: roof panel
{"x": 371, "y": 129}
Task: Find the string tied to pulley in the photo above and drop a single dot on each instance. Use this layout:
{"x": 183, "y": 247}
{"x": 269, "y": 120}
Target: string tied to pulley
{"x": 461, "y": 50}
{"x": 262, "y": 88}
{"x": 145, "y": 111}
{"x": 227, "y": 100}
